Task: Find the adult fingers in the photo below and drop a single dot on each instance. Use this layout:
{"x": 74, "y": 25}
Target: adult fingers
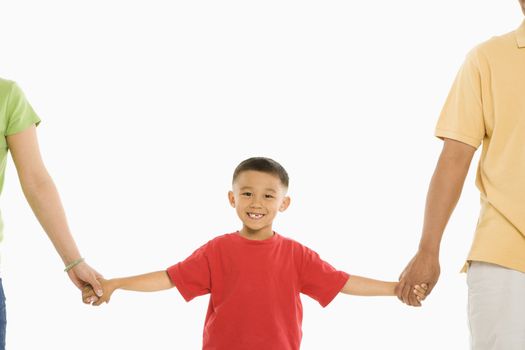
{"x": 95, "y": 284}
{"x": 408, "y": 297}
{"x": 88, "y": 299}
{"x": 88, "y": 295}
{"x": 412, "y": 299}
{"x": 100, "y": 301}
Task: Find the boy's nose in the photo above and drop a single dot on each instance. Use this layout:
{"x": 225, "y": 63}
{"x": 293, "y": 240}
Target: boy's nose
{"x": 255, "y": 203}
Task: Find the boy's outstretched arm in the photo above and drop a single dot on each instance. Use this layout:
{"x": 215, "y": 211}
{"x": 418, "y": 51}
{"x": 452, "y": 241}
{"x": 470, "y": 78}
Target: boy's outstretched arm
{"x": 149, "y": 282}
{"x": 357, "y": 285}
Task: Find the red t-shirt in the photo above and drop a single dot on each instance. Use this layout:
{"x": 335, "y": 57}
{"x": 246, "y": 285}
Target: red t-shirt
{"x": 255, "y": 286}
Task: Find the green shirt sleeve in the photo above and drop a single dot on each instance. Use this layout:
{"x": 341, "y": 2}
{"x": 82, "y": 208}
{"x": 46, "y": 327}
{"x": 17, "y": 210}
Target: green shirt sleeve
{"x": 20, "y": 114}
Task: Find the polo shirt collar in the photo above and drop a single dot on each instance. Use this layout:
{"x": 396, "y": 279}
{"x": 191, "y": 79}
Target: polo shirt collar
{"x": 520, "y": 35}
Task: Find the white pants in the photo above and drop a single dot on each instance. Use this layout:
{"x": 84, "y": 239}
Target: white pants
{"x": 496, "y": 307}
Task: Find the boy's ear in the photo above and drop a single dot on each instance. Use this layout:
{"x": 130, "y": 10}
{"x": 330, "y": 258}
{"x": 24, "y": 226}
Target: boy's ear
{"x": 285, "y": 204}
{"x": 231, "y": 198}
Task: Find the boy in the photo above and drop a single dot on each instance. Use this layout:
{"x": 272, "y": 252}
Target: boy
{"x": 254, "y": 275}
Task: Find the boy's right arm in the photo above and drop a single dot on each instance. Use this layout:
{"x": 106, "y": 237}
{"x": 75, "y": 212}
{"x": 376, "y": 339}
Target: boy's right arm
{"x": 149, "y": 282}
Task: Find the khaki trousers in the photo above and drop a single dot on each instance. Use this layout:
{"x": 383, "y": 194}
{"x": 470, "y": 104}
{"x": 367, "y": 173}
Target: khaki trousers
{"x": 496, "y": 307}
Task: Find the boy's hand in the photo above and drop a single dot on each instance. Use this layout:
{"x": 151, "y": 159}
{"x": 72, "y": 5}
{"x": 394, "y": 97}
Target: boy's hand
{"x": 89, "y": 296}
{"x": 423, "y": 268}
{"x": 420, "y": 290}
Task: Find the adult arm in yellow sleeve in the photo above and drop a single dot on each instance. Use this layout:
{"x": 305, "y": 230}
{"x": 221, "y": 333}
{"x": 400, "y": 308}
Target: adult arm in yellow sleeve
{"x": 443, "y": 194}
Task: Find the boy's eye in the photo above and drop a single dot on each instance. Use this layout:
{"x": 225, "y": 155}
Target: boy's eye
{"x": 269, "y": 196}
{"x": 247, "y": 194}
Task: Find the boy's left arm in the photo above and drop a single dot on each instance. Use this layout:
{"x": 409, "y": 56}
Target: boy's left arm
{"x": 357, "y": 285}
{"x": 363, "y": 286}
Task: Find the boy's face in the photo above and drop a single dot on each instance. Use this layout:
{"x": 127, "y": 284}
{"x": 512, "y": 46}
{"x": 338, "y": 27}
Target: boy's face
{"x": 257, "y": 197}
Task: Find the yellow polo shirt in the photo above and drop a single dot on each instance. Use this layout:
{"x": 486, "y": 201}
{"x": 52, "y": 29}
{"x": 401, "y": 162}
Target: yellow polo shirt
{"x": 487, "y": 105}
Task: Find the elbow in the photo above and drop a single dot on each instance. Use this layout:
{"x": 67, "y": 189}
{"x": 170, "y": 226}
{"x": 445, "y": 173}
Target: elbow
{"x": 34, "y": 183}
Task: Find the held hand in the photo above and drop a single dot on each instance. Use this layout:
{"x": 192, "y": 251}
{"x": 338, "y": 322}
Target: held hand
{"x": 89, "y": 296}
{"x": 82, "y": 274}
{"x": 420, "y": 291}
{"x": 422, "y": 269}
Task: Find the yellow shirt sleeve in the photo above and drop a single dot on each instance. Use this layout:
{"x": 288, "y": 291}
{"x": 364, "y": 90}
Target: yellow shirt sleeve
{"x": 462, "y": 116}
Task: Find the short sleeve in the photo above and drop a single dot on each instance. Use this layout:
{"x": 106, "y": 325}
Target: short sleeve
{"x": 20, "y": 114}
{"x": 319, "y": 280}
{"x": 462, "y": 116}
{"x": 192, "y": 276}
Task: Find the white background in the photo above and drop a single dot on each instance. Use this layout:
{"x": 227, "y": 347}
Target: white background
{"x": 147, "y": 107}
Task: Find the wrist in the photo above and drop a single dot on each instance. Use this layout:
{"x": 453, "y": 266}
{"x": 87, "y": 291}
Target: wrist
{"x": 116, "y": 283}
{"x": 430, "y": 250}
{"x": 72, "y": 264}
{"x": 392, "y": 286}
{"x": 68, "y": 251}
{"x": 428, "y": 255}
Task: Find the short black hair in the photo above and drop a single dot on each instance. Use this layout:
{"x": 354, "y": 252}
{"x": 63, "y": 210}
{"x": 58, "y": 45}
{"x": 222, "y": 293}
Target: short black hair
{"x": 265, "y": 165}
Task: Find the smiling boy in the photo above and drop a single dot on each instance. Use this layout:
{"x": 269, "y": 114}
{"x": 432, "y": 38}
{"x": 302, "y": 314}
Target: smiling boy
{"x": 258, "y": 195}
{"x": 254, "y": 275}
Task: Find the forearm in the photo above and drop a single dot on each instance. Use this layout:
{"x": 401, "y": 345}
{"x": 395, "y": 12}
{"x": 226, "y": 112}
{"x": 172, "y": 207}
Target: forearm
{"x": 443, "y": 194}
{"x": 44, "y": 200}
{"x": 149, "y": 282}
{"x": 357, "y": 285}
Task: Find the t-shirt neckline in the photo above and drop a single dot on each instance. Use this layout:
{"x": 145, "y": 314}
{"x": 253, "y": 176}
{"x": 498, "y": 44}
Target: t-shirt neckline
{"x": 245, "y": 240}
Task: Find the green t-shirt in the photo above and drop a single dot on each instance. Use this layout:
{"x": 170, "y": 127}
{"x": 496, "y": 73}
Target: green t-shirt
{"x": 16, "y": 115}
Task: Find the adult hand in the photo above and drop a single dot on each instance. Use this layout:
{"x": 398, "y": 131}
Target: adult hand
{"x": 89, "y": 297}
{"x": 423, "y": 268}
{"x": 83, "y": 274}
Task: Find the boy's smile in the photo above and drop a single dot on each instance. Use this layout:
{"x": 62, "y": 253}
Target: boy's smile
{"x": 255, "y": 216}
{"x": 258, "y": 197}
